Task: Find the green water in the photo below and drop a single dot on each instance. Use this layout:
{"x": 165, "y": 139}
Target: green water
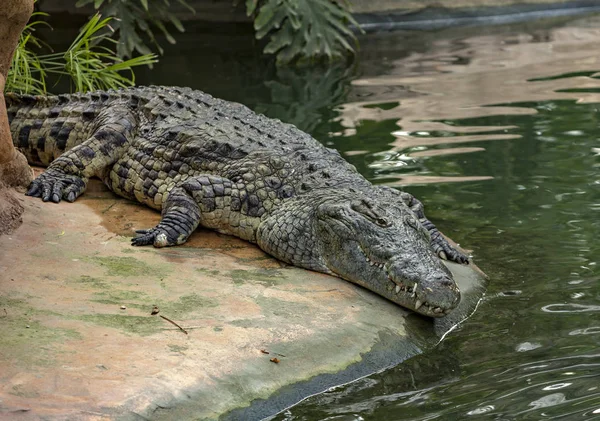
{"x": 497, "y": 132}
{"x": 532, "y": 349}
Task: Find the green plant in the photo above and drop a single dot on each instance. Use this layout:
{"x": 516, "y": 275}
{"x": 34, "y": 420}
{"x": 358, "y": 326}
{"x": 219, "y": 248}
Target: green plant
{"x": 26, "y": 73}
{"x": 137, "y": 16}
{"x": 88, "y": 62}
{"x": 298, "y": 30}
{"x": 304, "y": 30}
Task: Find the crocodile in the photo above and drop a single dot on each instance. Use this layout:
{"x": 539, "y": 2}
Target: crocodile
{"x": 206, "y": 161}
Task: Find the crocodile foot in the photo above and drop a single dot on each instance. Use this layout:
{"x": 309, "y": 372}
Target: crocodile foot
{"x": 158, "y": 237}
{"x": 154, "y": 236}
{"x": 446, "y": 252}
{"x": 54, "y": 185}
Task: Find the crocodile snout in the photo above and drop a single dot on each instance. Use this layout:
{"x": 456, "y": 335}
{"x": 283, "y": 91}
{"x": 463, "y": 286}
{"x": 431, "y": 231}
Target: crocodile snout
{"x": 430, "y": 288}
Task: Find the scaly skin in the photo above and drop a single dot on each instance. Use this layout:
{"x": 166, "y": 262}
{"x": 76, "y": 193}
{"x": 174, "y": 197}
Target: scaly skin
{"x": 205, "y": 161}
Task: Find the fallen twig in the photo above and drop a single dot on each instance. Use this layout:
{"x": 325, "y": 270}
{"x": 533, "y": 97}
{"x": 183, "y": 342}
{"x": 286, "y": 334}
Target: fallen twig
{"x": 172, "y": 322}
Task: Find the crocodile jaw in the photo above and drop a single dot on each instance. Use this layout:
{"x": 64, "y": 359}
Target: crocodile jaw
{"x": 393, "y": 259}
{"x": 433, "y": 295}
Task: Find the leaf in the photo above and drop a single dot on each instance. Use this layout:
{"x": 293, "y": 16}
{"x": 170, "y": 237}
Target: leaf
{"x": 187, "y": 6}
{"x": 176, "y": 23}
{"x": 136, "y": 20}
{"x": 26, "y": 73}
{"x": 89, "y": 61}
{"x": 304, "y": 30}
{"x": 251, "y": 6}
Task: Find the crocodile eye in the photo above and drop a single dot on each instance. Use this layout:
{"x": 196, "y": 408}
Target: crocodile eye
{"x": 382, "y": 222}
{"x": 367, "y": 209}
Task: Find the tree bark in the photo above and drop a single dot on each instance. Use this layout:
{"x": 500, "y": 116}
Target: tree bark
{"x": 14, "y": 15}
{"x": 14, "y": 171}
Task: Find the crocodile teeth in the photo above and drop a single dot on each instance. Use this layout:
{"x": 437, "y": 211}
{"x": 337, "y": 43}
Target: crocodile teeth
{"x": 397, "y": 289}
{"x": 418, "y": 304}
{"x": 437, "y": 310}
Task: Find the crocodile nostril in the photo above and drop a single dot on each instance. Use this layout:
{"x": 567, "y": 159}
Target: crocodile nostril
{"x": 445, "y": 281}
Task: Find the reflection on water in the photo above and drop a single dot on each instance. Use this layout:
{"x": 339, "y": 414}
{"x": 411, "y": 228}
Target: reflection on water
{"x": 512, "y": 120}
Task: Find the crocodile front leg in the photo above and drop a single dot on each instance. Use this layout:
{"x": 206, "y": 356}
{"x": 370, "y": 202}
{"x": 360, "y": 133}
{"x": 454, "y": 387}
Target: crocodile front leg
{"x": 180, "y": 217}
{"x": 234, "y": 208}
{"x": 209, "y": 200}
{"x": 67, "y": 176}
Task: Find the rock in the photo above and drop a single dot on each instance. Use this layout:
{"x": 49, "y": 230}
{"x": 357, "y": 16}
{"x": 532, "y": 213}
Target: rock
{"x": 260, "y": 335}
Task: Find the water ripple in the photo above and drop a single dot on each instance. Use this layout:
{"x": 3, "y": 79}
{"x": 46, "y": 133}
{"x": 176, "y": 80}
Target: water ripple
{"x": 570, "y": 308}
{"x": 587, "y": 331}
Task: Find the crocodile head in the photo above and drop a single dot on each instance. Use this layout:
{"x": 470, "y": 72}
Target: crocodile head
{"x": 384, "y": 248}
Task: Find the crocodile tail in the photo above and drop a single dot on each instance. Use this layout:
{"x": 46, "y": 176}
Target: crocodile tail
{"x": 43, "y": 127}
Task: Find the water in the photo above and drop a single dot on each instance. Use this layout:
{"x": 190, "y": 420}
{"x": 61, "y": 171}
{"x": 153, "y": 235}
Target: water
{"x": 497, "y": 131}
{"x": 499, "y": 135}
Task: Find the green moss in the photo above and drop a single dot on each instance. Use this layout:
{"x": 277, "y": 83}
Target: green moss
{"x": 139, "y": 325}
{"x": 92, "y": 282}
{"x": 145, "y": 325}
{"x": 127, "y": 266}
{"x": 247, "y": 323}
{"x": 119, "y": 296}
{"x": 186, "y": 304}
{"x": 177, "y": 348}
{"x": 265, "y": 277}
{"x": 23, "y": 330}
{"x": 287, "y": 309}
{"x": 208, "y": 271}
{"x": 22, "y": 391}
{"x": 179, "y": 308}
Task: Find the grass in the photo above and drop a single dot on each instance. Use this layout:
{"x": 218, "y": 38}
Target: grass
{"x": 89, "y": 63}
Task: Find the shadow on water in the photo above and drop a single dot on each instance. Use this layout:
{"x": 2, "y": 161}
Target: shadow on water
{"x": 497, "y": 131}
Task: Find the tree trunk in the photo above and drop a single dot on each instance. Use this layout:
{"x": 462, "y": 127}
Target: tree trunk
{"x": 14, "y": 170}
{"x": 14, "y": 15}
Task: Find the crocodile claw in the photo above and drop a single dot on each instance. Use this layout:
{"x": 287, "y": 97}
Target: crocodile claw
{"x": 52, "y": 186}
{"x": 155, "y": 236}
{"x": 144, "y": 237}
{"x": 35, "y": 189}
{"x": 446, "y": 252}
